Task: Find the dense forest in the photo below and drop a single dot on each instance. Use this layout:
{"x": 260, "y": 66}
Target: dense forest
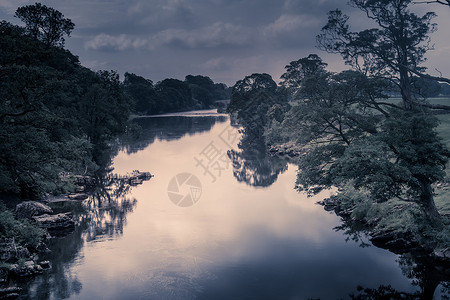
{"x": 58, "y": 117}
{"x": 170, "y": 95}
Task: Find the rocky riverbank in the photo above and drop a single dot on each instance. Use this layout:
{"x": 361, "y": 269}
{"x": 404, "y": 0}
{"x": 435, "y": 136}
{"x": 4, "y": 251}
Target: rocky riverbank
{"x": 33, "y": 223}
{"x": 395, "y": 238}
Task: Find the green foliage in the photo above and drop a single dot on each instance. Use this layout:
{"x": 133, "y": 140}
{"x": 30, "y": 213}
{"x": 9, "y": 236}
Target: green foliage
{"x": 55, "y": 115}
{"x": 352, "y": 134}
{"x": 425, "y": 88}
{"x": 24, "y": 232}
{"x": 170, "y": 95}
{"x": 142, "y": 91}
{"x": 45, "y": 23}
{"x": 205, "y": 91}
{"x": 394, "y": 49}
{"x": 255, "y": 101}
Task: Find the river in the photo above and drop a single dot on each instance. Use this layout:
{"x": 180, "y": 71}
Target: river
{"x": 215, "y": 222}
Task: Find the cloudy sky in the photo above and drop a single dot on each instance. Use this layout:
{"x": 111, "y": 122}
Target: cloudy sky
{"x": 223, "y": 39}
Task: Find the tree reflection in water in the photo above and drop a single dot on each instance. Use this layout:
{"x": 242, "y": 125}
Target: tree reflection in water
{"x": 253, "y": 165}
{"x": 166, "y": 129}
{"x": 107, "y": 208}
{"x": 104, "y": 214}
{"x": 429, "y": 275}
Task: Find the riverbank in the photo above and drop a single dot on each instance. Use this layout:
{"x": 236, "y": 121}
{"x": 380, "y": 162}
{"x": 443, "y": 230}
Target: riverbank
{"x": 28, "y": 226}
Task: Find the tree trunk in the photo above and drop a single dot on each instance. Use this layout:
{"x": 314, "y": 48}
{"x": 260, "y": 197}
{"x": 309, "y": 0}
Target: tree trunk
{"x": 427, "y": 204}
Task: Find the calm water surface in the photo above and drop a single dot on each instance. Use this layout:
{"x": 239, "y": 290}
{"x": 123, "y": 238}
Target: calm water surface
{"x": 249, "y": 235}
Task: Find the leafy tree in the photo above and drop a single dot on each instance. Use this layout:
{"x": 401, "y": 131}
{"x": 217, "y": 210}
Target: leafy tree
{"x": 142, "y": 91}
{"x": 253, "y": 165}
{"x": 45, "y": 23}
{"x": 251, "y": 100}
{"x": 352, "y": 135}
{"x": 205, "y": 90}
{"x": 173, "y": 95}
{"x": 425, "y": 88}
{"x": 394, "y": 50}
{"x": 55, "y": 115}
{"x": 297, "y": 70}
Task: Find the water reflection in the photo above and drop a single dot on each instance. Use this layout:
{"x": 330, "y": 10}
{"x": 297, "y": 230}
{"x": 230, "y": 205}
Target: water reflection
{"x": 253, "y": 165}
{"x": 102, "y": 216}
{"x": 430, "y": 275}
{"x": 107, "y": 208}
{"x": 236, "y": 242}
{"x": 166, "y": 129}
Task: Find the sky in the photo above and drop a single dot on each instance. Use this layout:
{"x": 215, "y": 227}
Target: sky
{"x": 223, "y": 39}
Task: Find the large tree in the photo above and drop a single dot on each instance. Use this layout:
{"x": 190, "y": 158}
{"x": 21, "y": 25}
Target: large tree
{"x": 351, "y": 134}
{"x": 252, "y": 100}
{"x": 45, "y": 23}
{"x": 393, "y": 50}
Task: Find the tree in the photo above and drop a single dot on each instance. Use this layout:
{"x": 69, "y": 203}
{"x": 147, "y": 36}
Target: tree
{"x": 353, "y": 136}
{"x": 173, "y": 95}
{"x": 55, "y": 115}
{"x": 202, "y": 89}
{"x": 142, "y": 91}
{"x": 297, "y": 70}
{"x": 394, "y": 50}
{"x": 251, "y": 100}
{"x": 45, "y": 23}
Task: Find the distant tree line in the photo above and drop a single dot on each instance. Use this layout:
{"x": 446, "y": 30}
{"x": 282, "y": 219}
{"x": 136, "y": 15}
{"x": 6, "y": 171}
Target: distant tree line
{"x": 169, "y": 95}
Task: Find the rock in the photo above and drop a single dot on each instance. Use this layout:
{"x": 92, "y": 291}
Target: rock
{"x": 79, "y": 196}
{"x": 273, "y": 149}
{"x": 136, "y": 181}
{"x": 59, "y": 222}
{"x": 442, "y": 254}
{"x": 85, "y": 180}
{"x": 292, "y": 153}
{"x": 45, "y": 264}
{"x": 29, "y": 209}
{"x": 330, "y": 204}
{"x": 10, "y": 293}
{"x": 10, "y": 252}
{"x": 29, "y": 268}
{"x": 42, "y": 248}
{"x": 80, "y": 189}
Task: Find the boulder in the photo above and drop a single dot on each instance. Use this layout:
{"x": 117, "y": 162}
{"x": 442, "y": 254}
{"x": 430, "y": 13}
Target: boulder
{"x": 29, "y": 209}
{"x": 45, "y": 264}
{"x": 10, "y": 251}
{"x": 29, "y": 268}
{"x": 443, "y": 254}
{"x": 10, "y": 292}
{"x": 79, "y": 196}
{"x": 58, "y": 222}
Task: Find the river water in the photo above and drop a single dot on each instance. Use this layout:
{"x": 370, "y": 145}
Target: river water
{"x": 217, "y": 221}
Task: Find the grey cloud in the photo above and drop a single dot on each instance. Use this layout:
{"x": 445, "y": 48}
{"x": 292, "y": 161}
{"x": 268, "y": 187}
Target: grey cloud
{"x": 223, "y": 39}
{"x": 216, "y": 35}
{"x": 122, "y": 42}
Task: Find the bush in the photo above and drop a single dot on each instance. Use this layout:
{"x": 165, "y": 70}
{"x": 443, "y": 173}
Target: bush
{"x": 24, "y": 231}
